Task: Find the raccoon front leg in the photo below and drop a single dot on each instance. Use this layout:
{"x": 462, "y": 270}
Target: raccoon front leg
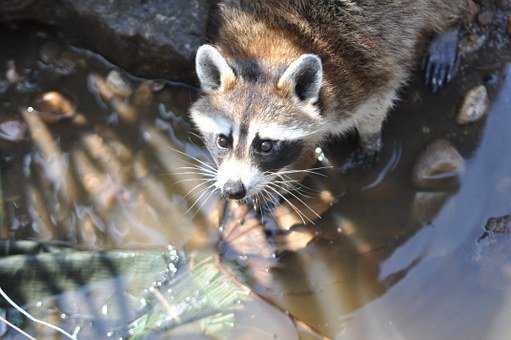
{"x": 370, "y": 143}
{"x": 369, "y": 122}
{"x": 441, "y": 61}
{"x": 369, "y": 131}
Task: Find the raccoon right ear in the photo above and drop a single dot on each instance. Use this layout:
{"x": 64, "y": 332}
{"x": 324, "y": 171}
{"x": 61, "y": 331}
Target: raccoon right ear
{"x": 303, "y": 78}
{"x": 212, "y": 69}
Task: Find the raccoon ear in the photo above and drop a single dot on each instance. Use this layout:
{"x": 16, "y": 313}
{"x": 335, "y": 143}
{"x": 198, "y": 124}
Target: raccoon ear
{"x": 303, "y": 78}
{"x": 212, "y": 69}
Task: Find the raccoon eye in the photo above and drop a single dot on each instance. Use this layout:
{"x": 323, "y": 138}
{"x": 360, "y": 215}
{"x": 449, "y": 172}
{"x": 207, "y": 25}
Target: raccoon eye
{"x": 223, "y": 141}
{"x": 266, "y": 146}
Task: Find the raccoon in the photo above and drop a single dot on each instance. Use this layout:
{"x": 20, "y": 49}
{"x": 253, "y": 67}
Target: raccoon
{"x": 281, "y": 76}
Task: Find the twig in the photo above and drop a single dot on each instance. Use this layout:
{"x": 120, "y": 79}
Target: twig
{"x": 16, "y": 328}
{"x": 22, "y": 311}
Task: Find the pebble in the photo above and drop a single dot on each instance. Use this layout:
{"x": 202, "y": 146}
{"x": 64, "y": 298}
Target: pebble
{"x": 438, "y": 167}
{"x": 118, "y": 84}
{"x": 11, "y": 74}
{"x": 426, "y": 205}
{"x": 143, "y": 95}
{"x": 13, "y": 130}
{"x": 53, "y": 107}
{"x": 475, "y": 105}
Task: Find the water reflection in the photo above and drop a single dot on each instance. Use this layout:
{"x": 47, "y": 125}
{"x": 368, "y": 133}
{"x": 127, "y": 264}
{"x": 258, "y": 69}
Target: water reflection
{"x": 382, "y": 227}
{"x": 387, "y": 259}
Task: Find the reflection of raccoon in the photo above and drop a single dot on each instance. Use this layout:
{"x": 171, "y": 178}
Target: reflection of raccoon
{"x": 282, "y": 75}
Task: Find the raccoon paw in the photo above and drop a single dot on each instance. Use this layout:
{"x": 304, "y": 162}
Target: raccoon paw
{"x": 441, "y": 62}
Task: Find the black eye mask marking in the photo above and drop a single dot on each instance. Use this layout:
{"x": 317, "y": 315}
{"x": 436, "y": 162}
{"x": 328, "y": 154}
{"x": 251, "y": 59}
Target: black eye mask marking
{"x": 283, "y": 153}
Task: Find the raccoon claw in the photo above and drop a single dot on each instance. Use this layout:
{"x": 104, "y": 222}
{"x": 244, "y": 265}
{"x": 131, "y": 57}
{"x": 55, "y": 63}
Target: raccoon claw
{"x": 441, "y": 63}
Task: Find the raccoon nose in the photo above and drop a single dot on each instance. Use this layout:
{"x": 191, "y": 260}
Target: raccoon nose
{"x": 234, "y": 190}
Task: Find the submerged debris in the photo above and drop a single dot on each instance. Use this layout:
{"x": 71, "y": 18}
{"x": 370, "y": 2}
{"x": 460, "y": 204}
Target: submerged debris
{"x": 475, "y": 105}
{"x": 439, "y": 167}
{"x": 497, "y": 225}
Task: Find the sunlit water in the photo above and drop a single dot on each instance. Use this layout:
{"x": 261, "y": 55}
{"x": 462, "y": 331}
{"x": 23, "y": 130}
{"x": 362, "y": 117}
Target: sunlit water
{"x": 385, "y": 261}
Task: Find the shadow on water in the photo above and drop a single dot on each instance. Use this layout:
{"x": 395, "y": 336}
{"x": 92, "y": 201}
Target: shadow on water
{"x": 386, "y": 260}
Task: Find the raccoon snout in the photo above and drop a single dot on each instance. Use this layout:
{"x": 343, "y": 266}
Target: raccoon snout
{"x": 234, "y": 190}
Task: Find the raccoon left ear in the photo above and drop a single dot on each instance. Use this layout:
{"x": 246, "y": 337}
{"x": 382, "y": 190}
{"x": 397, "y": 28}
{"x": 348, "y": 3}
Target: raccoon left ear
{"x": 303, "y": 78}
{"x": 213, "y": 71}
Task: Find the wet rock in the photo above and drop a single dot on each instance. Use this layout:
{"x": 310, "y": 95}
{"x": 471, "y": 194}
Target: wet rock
{"x": 475, "y": 105}
{"x": 426, "y": 205}
{"x": 472, "y": 43}
{"x": 4, "y": 86}
{"x": 154, "y": 38}
{"x": 98, "y": 86}
{"x": 11, "y": 74}
{"x": 473, "y": 9}
{"x": 143, "y": 96}
{"x": 439, "y": 167}
{"x": 118, "y": 85}
{"x": 13, "y": 130}
{"x": 53, "y": 107}
{"x": 485, "y": 18}
{"x": 504, "y": 4}
{"x": 52, "y": 55}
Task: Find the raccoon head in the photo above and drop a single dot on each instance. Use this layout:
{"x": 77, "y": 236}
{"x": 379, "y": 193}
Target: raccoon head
{"x": 260, "y": 121}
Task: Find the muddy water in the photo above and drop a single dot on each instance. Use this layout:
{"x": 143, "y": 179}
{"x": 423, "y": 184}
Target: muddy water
{"x": 385, "y": 261}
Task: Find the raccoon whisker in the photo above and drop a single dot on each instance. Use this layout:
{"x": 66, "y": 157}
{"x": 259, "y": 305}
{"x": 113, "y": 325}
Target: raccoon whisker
{"x": 193, "y": 180}
{"x": 194, "y": 158}
{"x": 206, "y": 199}
{"x": 290, "y": 172}
{"x": 194, "y": 173}
{"x": 206, "y": 182}
{"x": 201, "y": 195}
{"x": 308, "y": 171}
{"x": 270, "y": 199}
{"x": 293, "y": 187}
{"x": 196, "y": 168}
{"x": 297, "y": 211}
{"x": 299, "y": 200}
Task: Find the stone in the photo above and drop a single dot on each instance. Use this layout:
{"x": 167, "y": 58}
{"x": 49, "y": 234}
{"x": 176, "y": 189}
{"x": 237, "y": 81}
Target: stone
{"x": 118, "y": 84}
{"x": 475, "y": 105}
{"x": 438, "y": 167}
{"x": 427, "y": 205}
{"x": 473, "y": 9}
{"x": 53, "y": 107}
{"x": 152, "y": 38}
{"x": 13, "y": 130}
{"x": 504, "y": 4}
{"x": 485, "y": 18}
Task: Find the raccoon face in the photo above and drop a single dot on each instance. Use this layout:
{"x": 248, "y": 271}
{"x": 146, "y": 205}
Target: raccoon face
{"x": 261, "y": 127}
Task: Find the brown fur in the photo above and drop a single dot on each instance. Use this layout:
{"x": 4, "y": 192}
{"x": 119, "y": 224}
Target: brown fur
{"x": 367, "y": 50}
{"x": 365, "y": 45}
